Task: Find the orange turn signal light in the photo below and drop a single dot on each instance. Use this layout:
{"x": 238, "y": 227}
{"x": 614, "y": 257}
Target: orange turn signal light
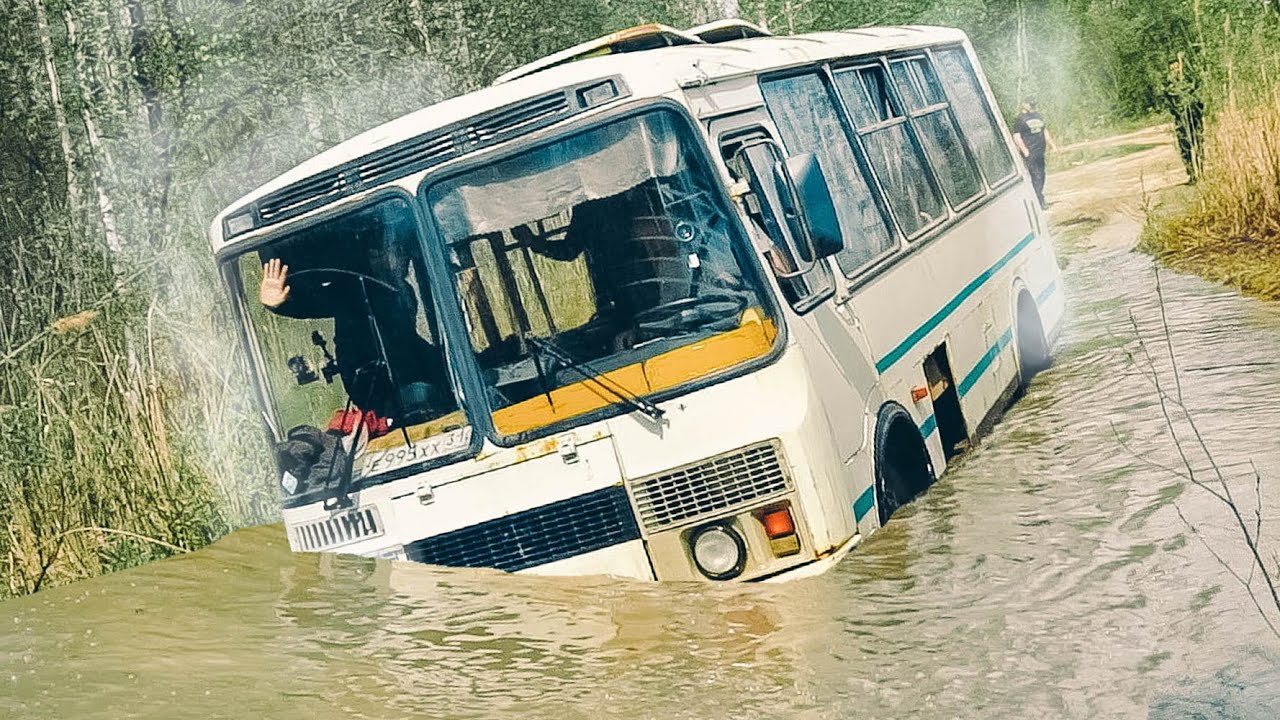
{"x": 919, "y": 393}
{"x": 778, "y": 523}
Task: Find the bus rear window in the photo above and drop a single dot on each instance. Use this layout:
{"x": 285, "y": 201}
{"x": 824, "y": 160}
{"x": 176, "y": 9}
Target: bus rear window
{"x": 893, "y": 153}
{"x": 936, "y": 129}
{"x": 974, "y": 114}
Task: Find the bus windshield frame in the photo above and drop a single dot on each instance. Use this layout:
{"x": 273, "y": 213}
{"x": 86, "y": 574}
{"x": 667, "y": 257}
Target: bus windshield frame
{"x": 557, "y": 397}
{"x": 384, "y": 453}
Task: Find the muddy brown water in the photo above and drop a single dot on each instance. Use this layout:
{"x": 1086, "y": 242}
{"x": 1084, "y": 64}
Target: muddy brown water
{"x": 1048, "y": 575}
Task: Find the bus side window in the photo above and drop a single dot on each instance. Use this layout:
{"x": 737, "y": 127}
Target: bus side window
{"x": 927, "y": 106}
{"x": 808, "y": 122}
{"x": 786, "y": 256}
{"x": 976, "y": 117}
{"x": 893, "y": 153}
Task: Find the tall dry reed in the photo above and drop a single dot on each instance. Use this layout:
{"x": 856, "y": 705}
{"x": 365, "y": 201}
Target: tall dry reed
{"x": 1228, "y": 227}
{"x": 124, "y": 436}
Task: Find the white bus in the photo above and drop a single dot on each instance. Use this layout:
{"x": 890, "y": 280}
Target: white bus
{"x": 668, "y": 305}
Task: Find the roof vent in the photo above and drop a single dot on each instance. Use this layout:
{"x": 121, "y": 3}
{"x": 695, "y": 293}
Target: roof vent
{"x": 424, "y": 151}
{"x": 636, "y": 39}
{"x": 727, "y": 30}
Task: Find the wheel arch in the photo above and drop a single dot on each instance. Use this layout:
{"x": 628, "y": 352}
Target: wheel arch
{"x": 1031, "y": 344}
{"x": 903, "y": 466}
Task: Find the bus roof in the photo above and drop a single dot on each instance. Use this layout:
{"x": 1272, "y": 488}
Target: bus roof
{"x": 646, "y": 73}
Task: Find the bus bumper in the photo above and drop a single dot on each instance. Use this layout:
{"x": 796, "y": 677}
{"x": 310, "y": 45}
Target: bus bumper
{"x": 817, "y": 567}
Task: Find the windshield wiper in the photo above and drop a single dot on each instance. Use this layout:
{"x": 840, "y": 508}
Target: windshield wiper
{"x": 342, "y": 494}
{"x": 341, "y": 497}
{"x": 635, "y": 402}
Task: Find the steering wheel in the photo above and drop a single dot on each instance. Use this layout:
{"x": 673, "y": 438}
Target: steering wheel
{"x": 339, "y": 271}
{"x": 692, "y": 313}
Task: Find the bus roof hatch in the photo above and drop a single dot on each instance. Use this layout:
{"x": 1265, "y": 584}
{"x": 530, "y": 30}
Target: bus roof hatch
{"x": 635, "y": 39}
{"x": 728, "y": 30}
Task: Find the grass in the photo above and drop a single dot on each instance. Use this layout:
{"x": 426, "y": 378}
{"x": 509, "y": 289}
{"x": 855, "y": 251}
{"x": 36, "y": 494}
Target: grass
{"x": 123, "y": 442}
{"x": 1227, "y": 228}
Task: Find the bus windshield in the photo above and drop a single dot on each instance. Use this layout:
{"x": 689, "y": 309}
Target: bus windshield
{"x": 600, "y": 267}
{"x": 340, "y": 317}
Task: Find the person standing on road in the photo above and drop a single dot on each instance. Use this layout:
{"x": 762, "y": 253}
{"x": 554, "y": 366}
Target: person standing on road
{"x": 1032, "y": 137}
{"x": 1182, "y": 95}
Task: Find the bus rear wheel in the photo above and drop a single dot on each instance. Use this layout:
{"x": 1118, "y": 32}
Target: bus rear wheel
{"x": 903, "y": 467}
{"x": 1033, "y": 348}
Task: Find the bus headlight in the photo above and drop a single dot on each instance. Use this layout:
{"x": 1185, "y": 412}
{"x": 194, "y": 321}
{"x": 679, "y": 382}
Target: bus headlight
{"x": 719, "y": 552}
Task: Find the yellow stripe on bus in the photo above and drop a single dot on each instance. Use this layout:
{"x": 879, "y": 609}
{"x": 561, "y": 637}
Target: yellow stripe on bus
{"x": 751, "y": 340}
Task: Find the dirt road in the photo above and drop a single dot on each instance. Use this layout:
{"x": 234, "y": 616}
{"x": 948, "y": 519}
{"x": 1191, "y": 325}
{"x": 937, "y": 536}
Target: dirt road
{"x": 1110, "y": 197}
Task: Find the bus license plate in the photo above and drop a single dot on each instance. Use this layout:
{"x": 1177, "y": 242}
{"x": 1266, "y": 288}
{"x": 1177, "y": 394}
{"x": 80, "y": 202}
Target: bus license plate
{"x": 436, "y": 446}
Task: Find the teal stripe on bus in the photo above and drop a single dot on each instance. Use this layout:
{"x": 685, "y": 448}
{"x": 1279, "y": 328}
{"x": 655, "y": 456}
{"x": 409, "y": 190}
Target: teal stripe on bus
{"x": 1047, "y": 293}
{"x": 905, "y": 346}
{"x": 929, "y": 425}
{"x": 989, "y": 357}
{"x": 864, "y": 503}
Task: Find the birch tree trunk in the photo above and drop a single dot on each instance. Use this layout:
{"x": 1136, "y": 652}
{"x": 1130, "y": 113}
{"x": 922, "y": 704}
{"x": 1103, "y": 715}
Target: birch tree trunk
{"x": 160, "y": 133}
{"x": 418, "y": 19}
{"x": 1022, "y": 51}
{"x": 98, "y": 156}
{"x": 110, "y": 53}
{"x": 467, "y": 80}
{"x": 55, "y": 99}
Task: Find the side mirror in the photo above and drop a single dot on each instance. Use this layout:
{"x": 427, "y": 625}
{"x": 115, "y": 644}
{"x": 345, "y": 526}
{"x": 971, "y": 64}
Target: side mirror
{"x": 793, "y": 203}
{"x": 807, "y": 205}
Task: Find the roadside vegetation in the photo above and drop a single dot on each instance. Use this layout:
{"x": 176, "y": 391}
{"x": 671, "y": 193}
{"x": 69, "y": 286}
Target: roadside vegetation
{"x": 129, "y": 431}
{"x": 1227, "y": 227}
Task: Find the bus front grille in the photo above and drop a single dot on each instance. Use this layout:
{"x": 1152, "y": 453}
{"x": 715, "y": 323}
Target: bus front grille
{"x": 537, "y": 536}
{"x": 710, "y": 487}
{"x": 338, "y": 530}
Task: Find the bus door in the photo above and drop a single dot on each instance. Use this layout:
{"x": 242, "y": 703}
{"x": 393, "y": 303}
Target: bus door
{"x": 838, "y": 364}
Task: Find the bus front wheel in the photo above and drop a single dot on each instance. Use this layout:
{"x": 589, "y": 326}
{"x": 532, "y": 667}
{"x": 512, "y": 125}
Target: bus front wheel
{"x": 903, "y": 467}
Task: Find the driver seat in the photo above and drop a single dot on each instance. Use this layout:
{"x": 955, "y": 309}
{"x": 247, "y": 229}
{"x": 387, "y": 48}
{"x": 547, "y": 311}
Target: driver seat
{"x": 648, "y": 265}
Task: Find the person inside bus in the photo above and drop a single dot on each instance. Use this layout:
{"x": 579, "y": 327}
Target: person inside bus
{"x": 381, "y": 312}
{"x": 634, "y": 259}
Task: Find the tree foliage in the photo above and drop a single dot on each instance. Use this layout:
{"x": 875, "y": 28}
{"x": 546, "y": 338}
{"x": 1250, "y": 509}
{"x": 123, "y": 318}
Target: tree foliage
{"x": 1088, "y": 62}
